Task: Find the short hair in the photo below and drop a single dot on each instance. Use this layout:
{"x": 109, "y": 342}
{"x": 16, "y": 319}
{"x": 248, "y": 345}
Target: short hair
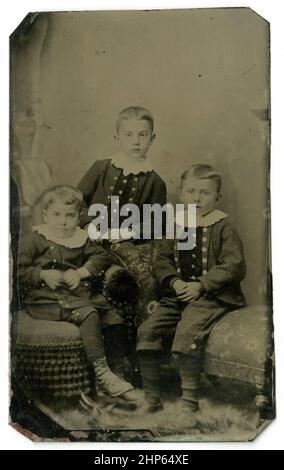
{"x": 202, "y": 171}
{"x": 66, "y": 194}
{"x": 135, "y": 112}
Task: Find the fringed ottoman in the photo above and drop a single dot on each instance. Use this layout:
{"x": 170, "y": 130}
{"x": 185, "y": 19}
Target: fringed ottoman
{"x": 49, "y": 359}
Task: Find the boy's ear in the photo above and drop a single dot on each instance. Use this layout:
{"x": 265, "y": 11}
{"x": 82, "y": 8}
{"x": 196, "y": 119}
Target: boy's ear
{"x": 219, "y": 196}
{"x": 153, "y": 138}
{"x": 180, "y": 195}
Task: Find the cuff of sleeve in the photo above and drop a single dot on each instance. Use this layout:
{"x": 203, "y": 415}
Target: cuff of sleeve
{"x": 95, "y": 271}
{"x": 205, "y": 283}
{"x": 172, "y": 280}
{"x": 83, "y": 273}
{"x": 169, "y": 280}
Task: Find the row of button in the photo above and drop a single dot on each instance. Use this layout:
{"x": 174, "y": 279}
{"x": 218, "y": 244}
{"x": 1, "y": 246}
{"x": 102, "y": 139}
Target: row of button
{"x": 204, "y": 258}
{"x": 120, "y": 192}
{"x": 193, "y": 346}
{"x": 86, "y": 284}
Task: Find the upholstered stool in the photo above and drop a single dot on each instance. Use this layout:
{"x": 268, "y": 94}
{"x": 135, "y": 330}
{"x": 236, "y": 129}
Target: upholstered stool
{"x": 240, "y": 349}
{"x": 49, "y": 358}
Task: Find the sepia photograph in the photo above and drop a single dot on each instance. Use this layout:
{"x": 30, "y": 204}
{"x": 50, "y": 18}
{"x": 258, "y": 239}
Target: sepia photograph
{"x": 140, "y": 234}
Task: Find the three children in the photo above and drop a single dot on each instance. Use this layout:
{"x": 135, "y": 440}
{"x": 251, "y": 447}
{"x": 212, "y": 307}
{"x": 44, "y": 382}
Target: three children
{"x": 59, "y": 266}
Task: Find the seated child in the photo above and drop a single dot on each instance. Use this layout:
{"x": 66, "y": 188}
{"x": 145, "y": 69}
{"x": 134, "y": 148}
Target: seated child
{"x": 199, "y": 286}
{"x": 129, "y": 173}
{"x": 60, "y": 272}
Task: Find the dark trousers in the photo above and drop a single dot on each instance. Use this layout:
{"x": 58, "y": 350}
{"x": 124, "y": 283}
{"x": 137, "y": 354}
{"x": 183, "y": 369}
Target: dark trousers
{"x": 186, "y": 327}
{"x": 188, "y": 324}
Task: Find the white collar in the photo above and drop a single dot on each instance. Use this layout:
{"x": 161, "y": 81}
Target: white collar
{"x": 202, "y": 221}
{"x": 210, "y": 219}
{"x": 128, "y": 165}
{"x": 77, "y": 240}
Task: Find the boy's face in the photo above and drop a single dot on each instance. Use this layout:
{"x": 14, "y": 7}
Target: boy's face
{"x": 201, "y": 192}
{"x": 135, "y": 137}
{"x": 62, "y": 219}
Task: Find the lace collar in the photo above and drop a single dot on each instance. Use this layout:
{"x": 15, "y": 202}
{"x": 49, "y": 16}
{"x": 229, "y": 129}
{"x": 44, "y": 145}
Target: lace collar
{"x": 202, "y": 221}
{"x": 128, "y": 165}
{"x": 77, "y": 240}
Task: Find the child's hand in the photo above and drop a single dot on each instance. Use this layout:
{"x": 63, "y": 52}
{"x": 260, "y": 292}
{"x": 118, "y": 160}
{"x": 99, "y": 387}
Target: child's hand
{"x": 179, "y": 286}
{"x": 52, "y": 277}
{"x": 72, "y": 278}
{"x": 191, "y": 292}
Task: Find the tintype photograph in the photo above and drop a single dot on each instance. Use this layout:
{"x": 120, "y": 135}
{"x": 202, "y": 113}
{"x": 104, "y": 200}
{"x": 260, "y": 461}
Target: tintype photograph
{"x": 141, "y": 284}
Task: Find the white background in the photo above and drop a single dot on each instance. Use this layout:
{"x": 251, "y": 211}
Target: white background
{"x": 12, "y": 14}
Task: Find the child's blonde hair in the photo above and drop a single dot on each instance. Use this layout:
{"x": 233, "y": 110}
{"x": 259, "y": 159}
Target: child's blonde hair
{"x": 66, "y": 194}
{"x": 135, "y": 112}
{"x": 202, "y": 171}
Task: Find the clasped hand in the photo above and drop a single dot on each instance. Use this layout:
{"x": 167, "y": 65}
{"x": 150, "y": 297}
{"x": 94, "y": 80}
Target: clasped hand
{"x": 187, "y": 291}
{"x": 55, "y": 278}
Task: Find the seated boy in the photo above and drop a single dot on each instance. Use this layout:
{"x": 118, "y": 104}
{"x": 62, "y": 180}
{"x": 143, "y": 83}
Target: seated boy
{"x": 199, "y": 286}
{"x": 60, "y": 274}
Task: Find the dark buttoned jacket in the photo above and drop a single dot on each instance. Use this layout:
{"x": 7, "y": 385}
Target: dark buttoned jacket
{"x": 104, "y": 180}
{"x": 37, "y": 254}
{"x": 226, "y": 265}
